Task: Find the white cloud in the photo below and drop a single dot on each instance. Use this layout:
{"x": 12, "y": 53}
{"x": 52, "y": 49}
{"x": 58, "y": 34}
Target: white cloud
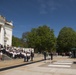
{"x": 43, "y": 11}
{"x": 48, "y": 5}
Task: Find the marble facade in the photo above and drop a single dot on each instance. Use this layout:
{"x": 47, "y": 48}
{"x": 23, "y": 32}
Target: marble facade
{"x": 6, "y": 28}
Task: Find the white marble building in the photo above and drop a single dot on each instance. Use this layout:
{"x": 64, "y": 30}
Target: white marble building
{"x": 5, "y": 31}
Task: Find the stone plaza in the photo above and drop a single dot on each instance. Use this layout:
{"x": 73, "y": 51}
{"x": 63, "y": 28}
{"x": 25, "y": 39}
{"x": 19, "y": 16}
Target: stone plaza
{"x": 58, "y": 66}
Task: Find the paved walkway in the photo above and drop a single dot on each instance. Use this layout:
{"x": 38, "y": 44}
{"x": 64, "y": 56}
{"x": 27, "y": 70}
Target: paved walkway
{"x": 43, "y": 68}
{"x": 14, "y": 62}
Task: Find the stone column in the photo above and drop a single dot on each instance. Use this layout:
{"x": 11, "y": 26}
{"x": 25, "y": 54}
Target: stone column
{"x": 2, "y": 35}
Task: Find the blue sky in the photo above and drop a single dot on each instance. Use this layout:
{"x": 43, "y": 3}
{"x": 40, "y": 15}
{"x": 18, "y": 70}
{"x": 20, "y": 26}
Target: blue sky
{"x": 28, "y": 14}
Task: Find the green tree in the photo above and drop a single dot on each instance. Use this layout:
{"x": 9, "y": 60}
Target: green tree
{"x": 66, "y": 39}
{"x": 41, "y": 38}
{"x": 17, "y": 42}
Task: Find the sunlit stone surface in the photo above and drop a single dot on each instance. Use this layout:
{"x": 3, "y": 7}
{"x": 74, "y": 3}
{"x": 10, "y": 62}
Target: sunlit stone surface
{"x": 5, "y": 31}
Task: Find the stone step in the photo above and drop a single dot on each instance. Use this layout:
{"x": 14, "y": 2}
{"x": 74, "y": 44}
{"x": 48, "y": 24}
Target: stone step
{"x": 5, "y": 57}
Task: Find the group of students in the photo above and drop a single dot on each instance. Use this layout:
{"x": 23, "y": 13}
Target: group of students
{"x": 17, "y": 53}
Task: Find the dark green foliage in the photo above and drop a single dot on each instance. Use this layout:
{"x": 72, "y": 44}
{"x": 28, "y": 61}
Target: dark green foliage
{"x": 17, "y": 42}
{"x": 66, "y": 39}
{"x": 41, "y": 38}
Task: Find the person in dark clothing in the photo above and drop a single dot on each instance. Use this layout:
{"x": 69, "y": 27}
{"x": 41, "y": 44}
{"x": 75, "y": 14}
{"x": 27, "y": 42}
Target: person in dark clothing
{"x": 44, "y": 53}
{"x": 32, "y": 56}
{"x": 51, "y": 54}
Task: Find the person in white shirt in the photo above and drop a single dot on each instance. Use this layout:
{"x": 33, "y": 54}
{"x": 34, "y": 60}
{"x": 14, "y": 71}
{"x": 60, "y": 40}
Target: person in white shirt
{"x": 28, "y": 56}
{"x": 14, "y": 55}
{"x": 25, "y": 56}
{"x": 1, "y": 55}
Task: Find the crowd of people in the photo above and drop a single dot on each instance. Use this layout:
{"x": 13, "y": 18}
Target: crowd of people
{"x": 51, "y": 54}
{"x": 15, "y": 53}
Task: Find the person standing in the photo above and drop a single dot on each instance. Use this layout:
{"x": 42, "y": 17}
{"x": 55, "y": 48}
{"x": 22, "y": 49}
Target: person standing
{"x": 44, "y": 53}
{"x": 32, "y": 56}
{"x": 1, "y": 55}
{"x": 25, "y": 56}
{"x": 51, "y": 54}
{"x": 70, "y": 54}
{"x": 28, "y": 56}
